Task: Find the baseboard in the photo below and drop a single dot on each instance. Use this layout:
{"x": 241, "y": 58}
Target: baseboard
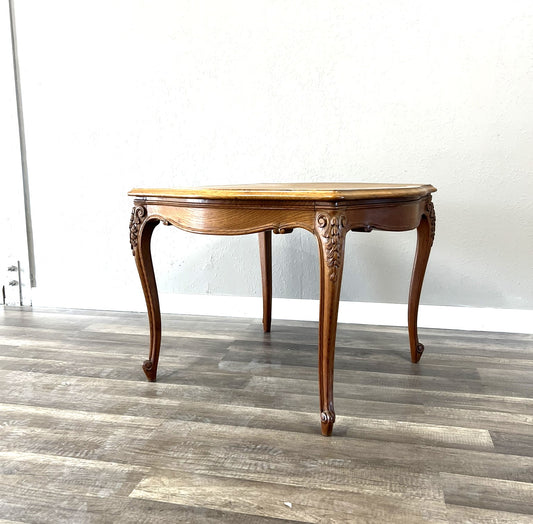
{"x": 443, "y": 317}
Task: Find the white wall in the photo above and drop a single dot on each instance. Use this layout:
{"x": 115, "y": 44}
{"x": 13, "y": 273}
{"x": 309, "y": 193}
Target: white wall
{"x": 131, "y": 93}
{"x": 13, "y": 246}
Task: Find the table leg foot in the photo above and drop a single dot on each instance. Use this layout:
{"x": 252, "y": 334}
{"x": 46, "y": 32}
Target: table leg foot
{"x": 425, "y": 236}
{"x": 327, "y": 419}
{"x": 149, "y": 370}
{"x": 330, "y": 230}
{"x": 141, "y": 228}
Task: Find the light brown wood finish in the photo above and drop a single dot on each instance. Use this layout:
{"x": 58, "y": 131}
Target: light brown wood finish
{"x": 228, "y": 432}
{"x": 296, "y": 191}
{"x": 328, "y": 211}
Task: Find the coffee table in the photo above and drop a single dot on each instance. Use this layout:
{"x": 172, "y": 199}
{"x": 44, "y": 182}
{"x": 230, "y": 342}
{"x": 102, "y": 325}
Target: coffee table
{"x": 327, "y": 210}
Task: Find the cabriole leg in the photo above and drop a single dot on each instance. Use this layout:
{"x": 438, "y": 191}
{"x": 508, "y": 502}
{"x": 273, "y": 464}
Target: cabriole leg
{"x": 330, "y": 230}
{"x": 425, "y": 236}
{"x": 141, "y": 229}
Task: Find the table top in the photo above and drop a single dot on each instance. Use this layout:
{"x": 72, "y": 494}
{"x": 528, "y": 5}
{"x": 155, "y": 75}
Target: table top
{"x": 297, "y": 191}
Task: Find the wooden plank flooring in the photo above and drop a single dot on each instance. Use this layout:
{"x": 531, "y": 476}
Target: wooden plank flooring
{"x": 231, "y": 433}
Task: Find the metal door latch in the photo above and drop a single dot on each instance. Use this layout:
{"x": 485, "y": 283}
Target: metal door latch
{"x": 14, "y": 282}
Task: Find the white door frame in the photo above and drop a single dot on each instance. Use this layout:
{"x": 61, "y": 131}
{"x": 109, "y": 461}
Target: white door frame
{"x": 17, "y": 266}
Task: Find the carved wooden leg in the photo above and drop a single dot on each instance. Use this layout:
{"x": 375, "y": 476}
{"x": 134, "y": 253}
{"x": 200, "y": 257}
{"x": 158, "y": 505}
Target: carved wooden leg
{"x": 265, "y": 253}
{"x": 140, "y": 236}
{"x": 330, "y": 229}
{"x": 425, "y": 236}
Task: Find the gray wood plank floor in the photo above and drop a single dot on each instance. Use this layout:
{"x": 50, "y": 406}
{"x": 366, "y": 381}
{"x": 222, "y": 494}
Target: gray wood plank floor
{"x": 231, "y": 433}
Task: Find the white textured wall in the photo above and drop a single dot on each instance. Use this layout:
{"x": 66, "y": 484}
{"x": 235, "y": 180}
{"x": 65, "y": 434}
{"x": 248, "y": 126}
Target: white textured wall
{"x": 166, "y": 93}
{"x": 13, "y": 246}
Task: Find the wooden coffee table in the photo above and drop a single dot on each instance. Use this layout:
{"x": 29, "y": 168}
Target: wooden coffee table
{"x": 326, "y": 210}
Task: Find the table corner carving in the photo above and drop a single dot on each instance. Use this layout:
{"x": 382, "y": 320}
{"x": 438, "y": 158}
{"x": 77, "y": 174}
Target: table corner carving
{"x": 138, "y": 215}
{"x": 332, "y": 231}
{"x": 430, "y": 213}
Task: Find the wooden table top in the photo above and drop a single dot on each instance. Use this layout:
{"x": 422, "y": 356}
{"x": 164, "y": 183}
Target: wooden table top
{"x": 298, "y": 191}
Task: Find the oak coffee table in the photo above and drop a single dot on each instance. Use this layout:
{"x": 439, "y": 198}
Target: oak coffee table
{"x": 327, "y": 210}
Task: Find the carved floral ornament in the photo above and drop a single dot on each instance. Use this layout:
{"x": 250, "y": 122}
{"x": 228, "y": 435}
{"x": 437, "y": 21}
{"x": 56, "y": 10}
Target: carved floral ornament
{"x": 138, "y": 215}
{"x": 332, "y": 231}
{"x": 430, "y": 213}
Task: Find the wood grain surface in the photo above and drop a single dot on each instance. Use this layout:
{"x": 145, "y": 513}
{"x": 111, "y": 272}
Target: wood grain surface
{"x": 328, "y": 210}
{"x": 229, "y": 434}
{"x": 294, "y": 191}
